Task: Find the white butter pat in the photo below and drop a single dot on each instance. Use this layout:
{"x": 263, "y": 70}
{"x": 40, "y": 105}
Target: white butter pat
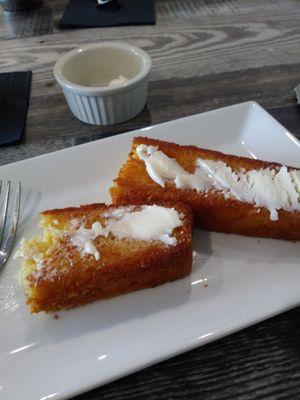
{"x": 269, "y": 188}
{"x": 118, "y": 81}
{"x": 150, "y": 223}
{"x": 83, "y": 239}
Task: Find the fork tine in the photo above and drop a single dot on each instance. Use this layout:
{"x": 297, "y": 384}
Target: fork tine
{"x": 16, "y": 212}
{"x": 4, "y": 211}
{"x": 9, "y": 242}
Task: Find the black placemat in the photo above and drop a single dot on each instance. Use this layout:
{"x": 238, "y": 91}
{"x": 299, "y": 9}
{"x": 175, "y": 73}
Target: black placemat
{"x": 14, "y": 101}
{"x": 85, "y": 13}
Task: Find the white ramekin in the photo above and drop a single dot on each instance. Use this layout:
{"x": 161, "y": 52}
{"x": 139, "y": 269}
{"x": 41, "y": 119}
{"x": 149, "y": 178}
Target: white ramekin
{"x": 84, "y": 73}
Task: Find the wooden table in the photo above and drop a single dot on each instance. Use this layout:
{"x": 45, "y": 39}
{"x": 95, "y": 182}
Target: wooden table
{"x": 206, "y": 54}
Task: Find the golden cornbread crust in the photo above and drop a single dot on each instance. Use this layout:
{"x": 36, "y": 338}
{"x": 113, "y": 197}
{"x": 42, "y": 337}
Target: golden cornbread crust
{"x": 69, "y": 279}
{"x": 211, "y": 210}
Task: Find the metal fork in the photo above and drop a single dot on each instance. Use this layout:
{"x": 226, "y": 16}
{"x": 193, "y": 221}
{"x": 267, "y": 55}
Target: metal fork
{"x": 10, "y": 227}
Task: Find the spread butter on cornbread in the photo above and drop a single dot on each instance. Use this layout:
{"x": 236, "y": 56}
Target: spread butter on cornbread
{"x": 227, "y": 193}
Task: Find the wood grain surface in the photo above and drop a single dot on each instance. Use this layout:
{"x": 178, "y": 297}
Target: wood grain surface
{"x": 206, "y": 54}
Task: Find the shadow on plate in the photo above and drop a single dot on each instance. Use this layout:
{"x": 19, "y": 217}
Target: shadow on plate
{"x": 28, "y": 208}
{"x": 105, "y": 314}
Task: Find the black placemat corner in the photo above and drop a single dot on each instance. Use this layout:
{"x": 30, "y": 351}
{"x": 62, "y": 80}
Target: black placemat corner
{"x": 86, "y": 14}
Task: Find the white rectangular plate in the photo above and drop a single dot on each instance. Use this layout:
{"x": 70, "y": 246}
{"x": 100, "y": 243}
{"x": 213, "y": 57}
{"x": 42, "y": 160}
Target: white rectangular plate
{"x": 236, "y": 281}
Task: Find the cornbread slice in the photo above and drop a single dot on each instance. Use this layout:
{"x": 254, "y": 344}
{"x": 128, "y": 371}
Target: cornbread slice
{"x": 216, "y": 207}
{"x": 86, "y": 253}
